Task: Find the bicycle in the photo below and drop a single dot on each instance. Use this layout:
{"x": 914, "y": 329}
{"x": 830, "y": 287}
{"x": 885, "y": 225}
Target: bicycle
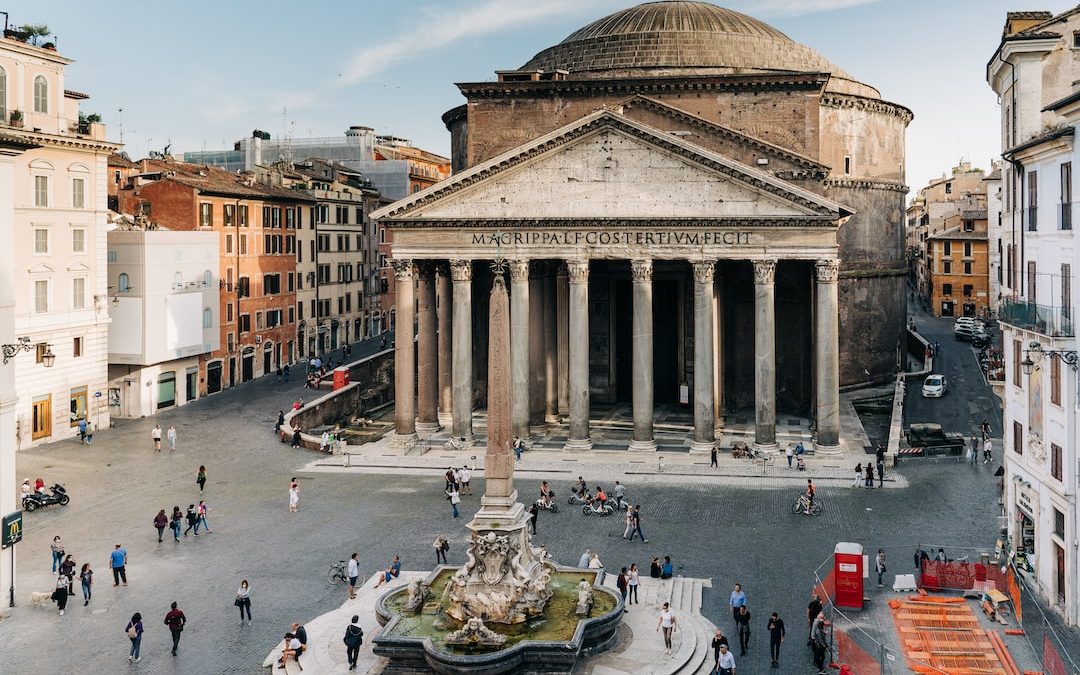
{"x": 801, "y": 503}
{"x": 337, "y": 574}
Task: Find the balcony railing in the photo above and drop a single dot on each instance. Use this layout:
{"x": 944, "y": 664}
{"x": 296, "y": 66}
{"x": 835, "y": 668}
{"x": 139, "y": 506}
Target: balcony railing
{"x": 1050, "y": 321}
{"x": 1032, "y": 218}
{"x": 1065, "y": 216}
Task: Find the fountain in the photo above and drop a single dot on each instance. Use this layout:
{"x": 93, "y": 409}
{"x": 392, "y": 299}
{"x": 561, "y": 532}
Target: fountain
{"x": 509, "y": 608}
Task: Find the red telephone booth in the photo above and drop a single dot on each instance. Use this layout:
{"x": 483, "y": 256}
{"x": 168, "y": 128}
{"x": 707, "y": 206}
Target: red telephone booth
{"x": 341, "y": 377}
{"x": 848, "y": 575}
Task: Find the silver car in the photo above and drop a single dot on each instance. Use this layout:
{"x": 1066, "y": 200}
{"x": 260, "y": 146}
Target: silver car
{"x": 934, "y": 386}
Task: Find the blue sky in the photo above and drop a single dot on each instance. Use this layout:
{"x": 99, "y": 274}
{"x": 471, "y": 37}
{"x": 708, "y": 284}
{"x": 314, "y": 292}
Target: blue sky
{"x": 203, "y": 74}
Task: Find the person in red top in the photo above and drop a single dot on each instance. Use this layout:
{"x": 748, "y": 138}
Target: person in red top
{"x": 175, "y": 620}
{"x": 809, "y": 495}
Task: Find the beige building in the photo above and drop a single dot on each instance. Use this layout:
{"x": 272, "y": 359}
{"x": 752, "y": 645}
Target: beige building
{"x": 60, "y": 228}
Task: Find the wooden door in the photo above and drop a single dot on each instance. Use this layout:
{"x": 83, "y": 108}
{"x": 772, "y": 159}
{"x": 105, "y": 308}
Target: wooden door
{"x": 42, "y": 414}
{"x": 1060, "y": 574}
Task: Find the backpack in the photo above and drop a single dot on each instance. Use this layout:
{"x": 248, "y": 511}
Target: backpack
{"x": 352, "y": 639}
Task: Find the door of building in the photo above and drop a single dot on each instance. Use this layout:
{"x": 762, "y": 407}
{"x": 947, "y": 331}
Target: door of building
{"x": 247, "y": 366}
{"x": 213, "y": 378}
{"x": 268, "y": 358}
{"x": 1060, "y": 556}
{"x": 969, "y": 309}
{"x": 947, "y": 308}
{"x": 191, "y": 383}
{"x": 42, "y": 417}
{"x": 166, "y": 390}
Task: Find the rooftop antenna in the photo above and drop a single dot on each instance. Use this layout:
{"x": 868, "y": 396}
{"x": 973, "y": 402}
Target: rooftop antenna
{"x": 121, "y": 111}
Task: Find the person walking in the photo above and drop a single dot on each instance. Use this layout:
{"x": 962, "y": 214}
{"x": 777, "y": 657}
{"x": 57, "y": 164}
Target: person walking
{"x": 294, "y": 497}
{"x": 192, "y": 520}
{"x": 742, "y": 620}
{"x": 632, "y": 581}
{"x": 454, "y": 499}
{"x": 879, "y": 565}
{"x": 988, "y": 455}
{"x": 859, "y": 480}
{"x": 668, "y": 622}
{"x": 441, "y": 546}
{"x": 200, "y": 478}
{"x": 623, "y": 585}
{"x": 776, "y": 638}
{"x": 82, "y": 430}
{"x": 869, "y": 475}
{"x": 354, "y": 574}
{"x": 134, "y": 630}
{"x": 89, "y": 433}
{"x": 86, "y": 579}
{"x": 176, "y": 522}
{"x": 812, "y": 611}
{"x": 175, "y": 620}
{"x": 67, "y": 569}
{"x": 285, "y": 371}
{"x": 57, "y": 548}
{"x": 171, "y": 435}
{"x": 713, "y": 464}
{"x": 466, "y": 478}
{"x": 974, "y": 451}
{"x": 820, "y": 643}
{"x": 725, "y": 661}
{"x": 718, "y": 640}
{"x": 118, "y": 563}
{"x": 243, "y": 601}
{"x": 203, "y": 508}
{"x": 629, "y": 519}
{"x": 736, "y": 600}
{"x": 280, "y": 422}
{"x": 354, "y": 637}
{"x": 161, "y": 521}
{"x": 881, "y": 473}
{"x": 637, "y": 526}
{"x": 156, "y": 436}
{"x": 790, "y": 453}
{"x": 534, "y": 513}
{"x": 60, "y": 593}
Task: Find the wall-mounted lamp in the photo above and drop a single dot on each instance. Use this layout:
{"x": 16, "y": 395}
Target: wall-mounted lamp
{"x": 24, "y": 345}
{"x": 1029, "y": 364}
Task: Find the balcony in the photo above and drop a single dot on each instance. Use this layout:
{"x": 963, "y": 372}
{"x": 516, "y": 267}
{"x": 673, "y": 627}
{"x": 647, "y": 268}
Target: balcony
{"x": 1065, "y": 216}
{"x": 1032, "y": 218}
{"x": 1044, "y": 319}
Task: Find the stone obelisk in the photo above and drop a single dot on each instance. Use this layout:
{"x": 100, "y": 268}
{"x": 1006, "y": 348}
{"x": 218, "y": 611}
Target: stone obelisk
{"x": 504, "y": 580}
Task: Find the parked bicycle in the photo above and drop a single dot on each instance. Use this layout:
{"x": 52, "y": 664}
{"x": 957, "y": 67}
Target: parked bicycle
{"x": 801, "y": 504}
{"x": 337, "y": 573}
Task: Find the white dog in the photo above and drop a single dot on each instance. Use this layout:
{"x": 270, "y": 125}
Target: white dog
{"x": 40, "y": 599}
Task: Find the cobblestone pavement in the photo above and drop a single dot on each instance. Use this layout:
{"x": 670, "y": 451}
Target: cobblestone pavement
{"x": 739, "y": 530}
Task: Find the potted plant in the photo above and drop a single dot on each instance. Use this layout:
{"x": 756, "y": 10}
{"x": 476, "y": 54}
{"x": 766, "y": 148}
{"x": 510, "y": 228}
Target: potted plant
{"x": 16, "y": 118}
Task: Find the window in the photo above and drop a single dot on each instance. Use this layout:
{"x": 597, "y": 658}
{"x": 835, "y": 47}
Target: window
{"x": 1055, "y": 462}
{"x": 967, "y": 249}
{"x": 292, "y": 314}
{"x": 3, "y": 95}
{"x": 947, "y": 246}
{"x": 243, "y": 215}
{"x": 847, "y": 165}
{"x": 77, "y": 405}
{"x": 1018, "y": 438}
{"x": 41, "y": 296}
{"x": 78, "y": 293}
{"x": 300, "y": 311}
{"x": 290, "y": 277}
{"x": 41, "y": 241}
{"x": 207, "y": 318}
{"x": 78, "y": 193}
{"x": 207, "y": 278}
{"x": 258, "y": 320}
{"x": 1016, "y": 358}
{"x": 230, "y": 342}
{"x": 230, "y": 215}
{"x": 178, "y": 280}
{"x": 1066, "y": 196}
{"x": 41, "y": 94}
{"x": 228, "y": 312}
{"x": 77, "y": 347}
{"x": 946, "y": 289}
{"x": 78, "y": 241}
{"x": 245, "y": 323}
{"x": 1076, "y": 40}
{"x": 1055, "y": 379}
{"x": 1033, "y": 201}
{"x": 946, "y": 267}
{"x": 1066, "y": 290}
{"x": 243, "y": 287}
{"x": 123, "y": 284}
{"x": 290, "y": 218}
{"x": 243, "y": 244}
{"x": 948, "y": 188}
{"x": 41, "y": 191}
{"x": 228, "y": 243}
{"x": 967, "y": 268}
{"x": 969, "y": 290}
{"x": 39, "y": 352}
{"x": 1031, "y": 274}
{"x": 206, "y": 214}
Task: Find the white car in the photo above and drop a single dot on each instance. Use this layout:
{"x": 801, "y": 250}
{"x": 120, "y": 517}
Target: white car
{"x": 934, "y": 386}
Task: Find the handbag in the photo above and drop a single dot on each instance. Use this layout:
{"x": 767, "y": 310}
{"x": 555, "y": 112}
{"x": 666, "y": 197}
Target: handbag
{"x": 238, "y": 602}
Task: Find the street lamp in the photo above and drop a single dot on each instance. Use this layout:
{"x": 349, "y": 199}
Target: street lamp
{"x": 24, "y": 345}
{"x": 48, "y": 358}
{"x": 1029, "y": 364}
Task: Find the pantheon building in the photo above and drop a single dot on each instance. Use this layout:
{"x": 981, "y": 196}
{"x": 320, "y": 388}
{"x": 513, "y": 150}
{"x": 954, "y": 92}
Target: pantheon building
{"x": 695, "y": 213}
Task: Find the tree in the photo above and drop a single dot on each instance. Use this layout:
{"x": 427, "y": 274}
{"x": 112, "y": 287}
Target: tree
{"x": 34, "y": 31}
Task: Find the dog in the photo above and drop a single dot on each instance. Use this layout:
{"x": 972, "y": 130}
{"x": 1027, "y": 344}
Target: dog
{"x": 40, "y": 599}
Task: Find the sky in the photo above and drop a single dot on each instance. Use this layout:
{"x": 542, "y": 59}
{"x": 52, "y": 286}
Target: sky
{"x": 201, "y": 75}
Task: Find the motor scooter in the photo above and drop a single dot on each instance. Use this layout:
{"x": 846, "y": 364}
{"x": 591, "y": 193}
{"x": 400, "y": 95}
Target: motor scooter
{"x": 553, "y": 507}
{"x": 575, "y": 498}
{"x": 602, "y": 510}
{"x": 56, "y": 495}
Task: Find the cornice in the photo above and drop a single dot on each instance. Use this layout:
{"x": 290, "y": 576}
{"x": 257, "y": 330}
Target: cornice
{"x": 786, "y": 81}
{"x": 867, "y": 184}
{"x": 57, "y": 141}
{"x": 817, "y": 222}
{"x": 830, "y": 99}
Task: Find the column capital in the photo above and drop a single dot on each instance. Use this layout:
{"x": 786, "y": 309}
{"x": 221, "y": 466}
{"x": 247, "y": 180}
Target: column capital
{"x": 461, "y": 270}
{"x": 578, "y": 270}
{"x": 641, "y": 270}
{"x": 519, "y": 270}
{"x": 403, "y": 268}
{"x": 764, "y": 271}
{"x": 704, "y": 270}
{"x": 827, "y": 271}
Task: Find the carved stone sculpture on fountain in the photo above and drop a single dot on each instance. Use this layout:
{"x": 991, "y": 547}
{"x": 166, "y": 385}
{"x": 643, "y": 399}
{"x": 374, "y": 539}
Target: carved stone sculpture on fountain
{"x": 505, "y": 579}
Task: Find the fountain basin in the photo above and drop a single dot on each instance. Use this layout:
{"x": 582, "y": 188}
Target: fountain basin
{"x": 549, "y": 643}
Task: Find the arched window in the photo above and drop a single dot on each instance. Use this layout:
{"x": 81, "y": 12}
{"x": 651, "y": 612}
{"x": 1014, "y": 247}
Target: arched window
{"x": 178, "y": 280}
{"x": 41, "y": 94}
{"x": 3, "y": 96}
{"x": 207, "y": 277}
{"x": 207, "y": 318}
{"x": 123, "y": 284}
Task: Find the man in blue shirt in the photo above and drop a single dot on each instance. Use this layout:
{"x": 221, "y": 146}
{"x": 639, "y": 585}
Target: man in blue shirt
{"x": 737, "y": 600}
{"x": 118, "y": 561}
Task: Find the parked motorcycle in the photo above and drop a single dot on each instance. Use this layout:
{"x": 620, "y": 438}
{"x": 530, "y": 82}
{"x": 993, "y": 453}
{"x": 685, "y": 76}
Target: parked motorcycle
{"x": 605, "y": 510}
{"x": 554, "y": 508}
{"x": 56, "y": 495}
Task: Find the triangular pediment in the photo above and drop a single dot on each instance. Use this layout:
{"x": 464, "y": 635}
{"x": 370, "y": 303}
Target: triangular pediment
{"x": 608, "y": 166}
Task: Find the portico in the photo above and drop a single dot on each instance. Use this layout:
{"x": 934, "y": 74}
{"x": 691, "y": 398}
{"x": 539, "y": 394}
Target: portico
{"x": 684, "y": 273}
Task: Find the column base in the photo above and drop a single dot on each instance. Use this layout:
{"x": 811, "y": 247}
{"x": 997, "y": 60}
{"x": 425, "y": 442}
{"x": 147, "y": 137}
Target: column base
{"x": 402, "y": 441}
{"x": 702, "y": 446}
{"x": 552, "y": 419}
{"x": 427, "y": 428}
{"x": 827, "y": 450}
{"x": 578, "y": 444}
{"x": 643, "y": 446}
{"x": 767, "y": 447}
{"x": 538, "y": 429}
{"x": 461, "y": 443}
{"x": 446, "y": 420}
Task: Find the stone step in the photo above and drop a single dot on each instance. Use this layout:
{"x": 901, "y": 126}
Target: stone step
{"x": 687, "y": 603}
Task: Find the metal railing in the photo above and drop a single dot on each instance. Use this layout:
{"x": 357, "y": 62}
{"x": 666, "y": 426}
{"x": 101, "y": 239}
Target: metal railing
{"x": 1045, "y": 319}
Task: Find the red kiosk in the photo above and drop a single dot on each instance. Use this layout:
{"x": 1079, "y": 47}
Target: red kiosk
{"x": 848, "y": 575}
{"x": 341, "y": 377}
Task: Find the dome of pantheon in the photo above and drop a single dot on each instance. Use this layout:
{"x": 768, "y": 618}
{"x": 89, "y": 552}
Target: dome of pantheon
{"x": 677, "y": 37}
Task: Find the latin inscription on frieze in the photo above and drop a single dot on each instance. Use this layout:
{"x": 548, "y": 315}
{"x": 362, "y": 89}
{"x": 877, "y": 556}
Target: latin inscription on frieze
{"x": 611, "y": 238}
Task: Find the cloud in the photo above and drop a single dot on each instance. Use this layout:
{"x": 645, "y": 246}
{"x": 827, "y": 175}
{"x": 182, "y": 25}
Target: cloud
{"x": 796, "y": 7}
{"x": 438, "y": 28}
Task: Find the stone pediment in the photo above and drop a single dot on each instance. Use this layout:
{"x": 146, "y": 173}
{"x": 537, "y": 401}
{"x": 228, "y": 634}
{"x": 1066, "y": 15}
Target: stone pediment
{"x": 607, "y": 166}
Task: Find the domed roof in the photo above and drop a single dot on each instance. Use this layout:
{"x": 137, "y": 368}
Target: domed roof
{"x": 679, "y": 37}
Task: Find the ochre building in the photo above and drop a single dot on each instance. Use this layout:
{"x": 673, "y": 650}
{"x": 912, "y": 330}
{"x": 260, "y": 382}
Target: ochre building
{"x": 694, "y": 210}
